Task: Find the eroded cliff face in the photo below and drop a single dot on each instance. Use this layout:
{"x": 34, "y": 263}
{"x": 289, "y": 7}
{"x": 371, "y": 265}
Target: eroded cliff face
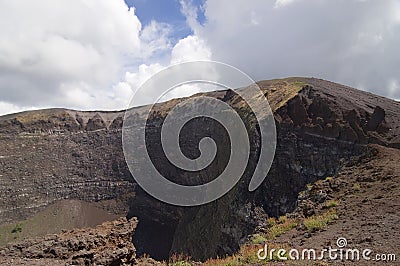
{"x": 51, "y": 155}
{"x": 320, "y": 126}
{"x": 57, "y": 154}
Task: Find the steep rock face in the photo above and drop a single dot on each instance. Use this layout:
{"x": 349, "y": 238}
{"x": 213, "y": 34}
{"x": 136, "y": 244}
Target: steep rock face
{"x": 320, "y": 125}
{"x": 44, "y": 159}
{"x": 57, "y": 154}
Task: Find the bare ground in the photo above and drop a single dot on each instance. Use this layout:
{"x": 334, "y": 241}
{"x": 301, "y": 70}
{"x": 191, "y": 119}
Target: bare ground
{"x": 368, "y": 208}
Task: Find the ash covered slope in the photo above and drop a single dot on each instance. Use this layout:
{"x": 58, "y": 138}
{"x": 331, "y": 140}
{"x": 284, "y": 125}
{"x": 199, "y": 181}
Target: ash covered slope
{"x": 330, "y": 109}
{"x": 57, "y": 154}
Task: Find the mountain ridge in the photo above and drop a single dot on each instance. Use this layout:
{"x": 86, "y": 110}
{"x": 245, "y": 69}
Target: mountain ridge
{"x": 57, "y": 154}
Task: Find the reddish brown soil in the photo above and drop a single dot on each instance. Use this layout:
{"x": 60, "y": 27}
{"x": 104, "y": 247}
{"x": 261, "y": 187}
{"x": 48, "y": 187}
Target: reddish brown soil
{"x": 368, "y": 210}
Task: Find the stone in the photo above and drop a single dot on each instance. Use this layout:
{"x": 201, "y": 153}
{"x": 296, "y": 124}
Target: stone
{"x": 376, "y": 119}
{"x": 41, "y": 148}
{"x": 95, "y": 123}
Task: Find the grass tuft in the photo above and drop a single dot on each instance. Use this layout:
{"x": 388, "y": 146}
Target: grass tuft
{"x": 276, "y": 228}
{"x": 315, "y": 223}
{"x": 284, "y": 225}
{"x": 17, "y": 229}
{"x": 357, "y": 187}
{"x": 258, "y": 239}
{"x": 331, "y": 204}
{"x": 179, "y": 260}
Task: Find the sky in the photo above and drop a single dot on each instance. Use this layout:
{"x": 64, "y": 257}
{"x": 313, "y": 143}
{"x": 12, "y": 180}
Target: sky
{"x": 93, "y": 54}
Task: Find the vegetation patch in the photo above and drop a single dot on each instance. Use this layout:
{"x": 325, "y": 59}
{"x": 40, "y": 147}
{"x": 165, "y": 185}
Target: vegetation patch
{"x": 277, "y": 227}
{"x": 246, "y": 256}
{"x": 315, "y": 223}
{"x": 17, "y": 229}
{"x": 356, "y": 187}
{"x": 258, "y": 239}
{"x": 281, "y": 227}
{"x": 179, "y": 260}
{"x": 331, "y": 204}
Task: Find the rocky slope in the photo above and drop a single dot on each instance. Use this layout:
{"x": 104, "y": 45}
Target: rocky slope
{"x": 360, "y": 206}
{"x": 107, "y": 244}
{"x": 366, "y": 199}
{"x": 320, "y": 126}
{"x": 57, "y": 154}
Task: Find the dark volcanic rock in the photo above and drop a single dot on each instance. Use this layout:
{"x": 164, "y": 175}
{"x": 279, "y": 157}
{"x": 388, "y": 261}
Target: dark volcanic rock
{"x": 95, "y": 123}
{"x": 325, "y": 128}
{"x": 56, "y": 154}
{"x": 117, "y": 123}
{"x": 377, "y": 118}
{"x": 297, "y": 111}
{"x": 107, "y": 244}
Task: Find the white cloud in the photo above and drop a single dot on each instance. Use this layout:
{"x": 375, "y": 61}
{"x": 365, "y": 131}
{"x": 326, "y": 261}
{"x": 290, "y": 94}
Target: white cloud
{"x": 346, "y": 41}
{"x": 155, "y": 36}
{"x": 191, "y": 13}
{"x": 190, "y": 48}
{"x": 394, "y": 88}
{"x": 136, "y": 79}
{"x": 281, "y": 3}
{"x": 92, "y": 54}
{"x": 72, "y": 53}
{"x": 6, "y": 108}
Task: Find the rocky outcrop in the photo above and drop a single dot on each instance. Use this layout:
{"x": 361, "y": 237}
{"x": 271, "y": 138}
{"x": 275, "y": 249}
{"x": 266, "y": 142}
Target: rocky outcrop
{"x": 95, "y": 123}
{"x": 376, "y": 119}
{"x": 58, "y": 154}
{"x": 320, "y": 126}
{"x": 44, "y": 159}
{"x": 107, "y": 244}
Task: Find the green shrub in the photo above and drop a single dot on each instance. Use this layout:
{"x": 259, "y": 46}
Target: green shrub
{"x": 17, "y": 229}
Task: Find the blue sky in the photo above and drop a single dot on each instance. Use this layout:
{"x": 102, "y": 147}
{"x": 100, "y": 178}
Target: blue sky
{"x": 93, "y": 54}
{"x": 166, "y": 11}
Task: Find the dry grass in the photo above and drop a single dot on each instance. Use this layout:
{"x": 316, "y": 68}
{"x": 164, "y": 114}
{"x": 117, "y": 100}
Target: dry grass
{"x": 281, "y": 226}
{"x": 282, "y": 91}
{"x": 357, "y": 187}
{"x": 246, "y": 256}
{"x": 277, "y": 227}
{"x": 331, "y": 204}
{"x": 315, "y": 223}
{"x": 179, "y": 260}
